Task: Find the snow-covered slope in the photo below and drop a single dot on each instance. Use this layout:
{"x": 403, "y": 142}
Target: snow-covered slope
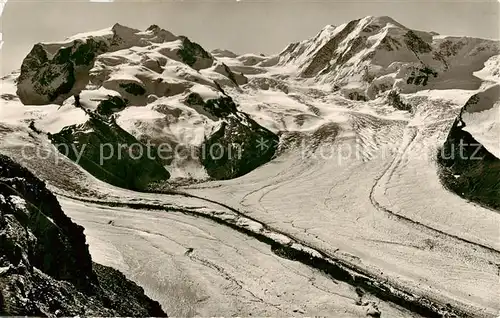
{"x": 372, "y": 55}
{"x": 470, "y": 157}
{"x": 482, "y": 119}
{"x": 342, "y": 139}
{"x": 119, "y": 55}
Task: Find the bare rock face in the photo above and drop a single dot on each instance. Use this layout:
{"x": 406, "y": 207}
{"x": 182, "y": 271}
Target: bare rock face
{"x": 194, "y": 55}
{"x": 45, "y": 265}
{"x": 48, "y": 79}
{"x": 237, "y": 79}
{"x": 239, "y": 145}
{"x": 469, "y": 163}
{"x": 104, "y": 72}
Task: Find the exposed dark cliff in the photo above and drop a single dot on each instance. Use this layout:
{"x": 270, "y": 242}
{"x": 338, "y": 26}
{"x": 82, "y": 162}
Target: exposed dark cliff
{"x": 45, "y": 265}
{"x": 466, "y": 166}
{"x": 45, "y": 79}
{"x": 110, "y": 153}
{"x": 239, "y": 145}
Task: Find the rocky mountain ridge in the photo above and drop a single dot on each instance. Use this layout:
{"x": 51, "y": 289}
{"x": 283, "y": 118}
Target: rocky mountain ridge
{"x": 373, "y": 55}
{"x": 52, "y": 72}
{"x": 45, "y": 265}
{"x": 120, "y": 66}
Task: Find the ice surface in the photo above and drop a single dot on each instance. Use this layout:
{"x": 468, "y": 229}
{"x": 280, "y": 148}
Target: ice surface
{"x": 484, "y": 126}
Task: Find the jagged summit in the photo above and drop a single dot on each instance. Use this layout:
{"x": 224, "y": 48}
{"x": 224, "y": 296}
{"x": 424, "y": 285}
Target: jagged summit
{"x": 371, "y": 55}
{"x": 117, "y": 27}
{"x": 49, "y": 72}
{"x": 223, "y": 53}
{"x": 381, "y": 20}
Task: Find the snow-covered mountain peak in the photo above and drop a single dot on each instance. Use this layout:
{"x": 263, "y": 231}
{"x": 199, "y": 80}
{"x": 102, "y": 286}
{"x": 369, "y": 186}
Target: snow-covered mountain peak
{"x": 118, "y": 34}
{"x": 223, "y": 53}
{"x": 368, "y": 56}
{"x": 54, "y": 71}
{"x": 122, "y": 30}
{"x": 106, "y": 33}
{"x": 381, "y": 21}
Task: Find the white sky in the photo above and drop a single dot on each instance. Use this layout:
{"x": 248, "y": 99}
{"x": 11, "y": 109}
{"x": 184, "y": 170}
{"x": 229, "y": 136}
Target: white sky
{"x": 263, "y": 26}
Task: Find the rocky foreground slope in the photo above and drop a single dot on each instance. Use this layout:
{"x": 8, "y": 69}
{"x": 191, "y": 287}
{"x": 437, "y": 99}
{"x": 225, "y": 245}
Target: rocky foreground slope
{"x": 45, "y": 265}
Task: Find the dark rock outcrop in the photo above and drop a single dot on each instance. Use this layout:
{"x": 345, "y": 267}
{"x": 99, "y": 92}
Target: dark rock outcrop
{"x": 328, "y": 52}
{"x": 52, "y": 72}
{"x": 240, "y": 144}
{"x": 466, "y": 166}
{"x": 51, "y": 79}
{"x": 357, "y": 96}
{"x": 194, "y": 54}
{"x": 394, "y": 99}
{"x": 223, "y": 53}
{"x": 45, "y": 265}
{"x": 110, "y": 153}
{"x": 237, "y": 79}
